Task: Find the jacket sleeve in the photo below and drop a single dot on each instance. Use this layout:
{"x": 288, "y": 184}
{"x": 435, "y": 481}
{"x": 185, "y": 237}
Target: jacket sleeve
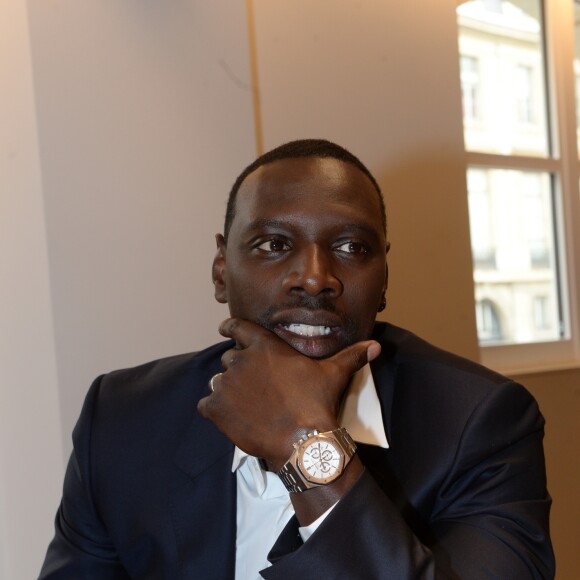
{"x": 81, "y": 547}
{"x": 489, "y": 519}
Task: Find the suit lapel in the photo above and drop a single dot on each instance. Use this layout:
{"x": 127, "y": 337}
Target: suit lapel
{"x": 203, "y": 499}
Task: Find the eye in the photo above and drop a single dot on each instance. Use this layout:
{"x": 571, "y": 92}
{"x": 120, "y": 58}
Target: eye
{"x": 352, "y": 248}
{"x": 273, "y": 246}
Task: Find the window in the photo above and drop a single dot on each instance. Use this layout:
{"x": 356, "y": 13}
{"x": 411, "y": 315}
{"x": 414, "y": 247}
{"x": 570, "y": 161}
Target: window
{"x": 470, "y": 87}
{"x": 504, "y": 41}
{"x": 523, "y": 93}
{"x": 537, "y": 213}
{"x": 488, "y": 321}
{"x": 522, "y": 177}
{"x": 513, "y": 249}
{"x": 482, "y": 238}
{"x": 541, "y": 313}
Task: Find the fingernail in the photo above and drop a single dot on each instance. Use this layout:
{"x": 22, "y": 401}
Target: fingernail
{"x": 373, "y": 351}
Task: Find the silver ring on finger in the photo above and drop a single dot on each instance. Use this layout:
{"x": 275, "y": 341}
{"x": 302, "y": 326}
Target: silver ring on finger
{"x": 211, "y": 385}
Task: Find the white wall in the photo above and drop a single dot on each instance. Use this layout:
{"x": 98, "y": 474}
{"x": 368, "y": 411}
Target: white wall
{"x": 31, "y": 461}
{"x": 111, "y": 193}
{"x": 145, "y": 119}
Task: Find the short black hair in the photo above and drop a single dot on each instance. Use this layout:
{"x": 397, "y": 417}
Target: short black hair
{"x": 300, "y": 148}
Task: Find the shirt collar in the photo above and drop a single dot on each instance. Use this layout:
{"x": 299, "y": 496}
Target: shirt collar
{"x": 360, "y": 413}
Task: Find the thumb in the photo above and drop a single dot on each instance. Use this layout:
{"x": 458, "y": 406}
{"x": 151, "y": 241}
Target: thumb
{"x": 356, "y": 356}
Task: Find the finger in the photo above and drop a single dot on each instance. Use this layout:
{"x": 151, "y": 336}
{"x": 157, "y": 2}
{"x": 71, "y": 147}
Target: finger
{"x": 207, "y": 408}
{"x": 242, "y": 331}
{"x": 356, "y": 356}
{"x": 202, "y": 407}
{"x": 229, "y": 357}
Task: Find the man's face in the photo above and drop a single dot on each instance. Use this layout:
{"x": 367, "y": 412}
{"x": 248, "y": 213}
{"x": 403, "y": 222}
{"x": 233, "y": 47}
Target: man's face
{"x": 306, "y": 254}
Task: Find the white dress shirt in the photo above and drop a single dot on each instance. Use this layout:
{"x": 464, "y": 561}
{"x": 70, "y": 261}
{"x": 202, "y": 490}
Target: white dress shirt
{"x": 263, "y": 503}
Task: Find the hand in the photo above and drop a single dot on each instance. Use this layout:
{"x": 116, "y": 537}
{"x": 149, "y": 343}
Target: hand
{"x": 270, "y": 395}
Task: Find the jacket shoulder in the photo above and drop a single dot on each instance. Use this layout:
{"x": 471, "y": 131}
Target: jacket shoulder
{"x": 161, "y": 373}
{"x": 158, "y": 393}
{"x": 408, "y": 351}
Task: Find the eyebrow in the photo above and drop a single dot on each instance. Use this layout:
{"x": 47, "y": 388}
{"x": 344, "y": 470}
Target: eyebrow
{"x": 262, "y": 223}
{"x": 265, "y": 223}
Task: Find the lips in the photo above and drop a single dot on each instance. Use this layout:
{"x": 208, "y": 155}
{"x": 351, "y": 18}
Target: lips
{"x": 316, "y": 331}
{"x": 313, "y": 332}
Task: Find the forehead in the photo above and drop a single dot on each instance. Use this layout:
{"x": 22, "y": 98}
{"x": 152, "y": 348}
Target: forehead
{"x": 325, "y": 189}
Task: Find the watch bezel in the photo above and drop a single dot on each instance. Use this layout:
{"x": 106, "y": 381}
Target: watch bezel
{"x": 329, "y": 440}
{"x": 294, "y": 474}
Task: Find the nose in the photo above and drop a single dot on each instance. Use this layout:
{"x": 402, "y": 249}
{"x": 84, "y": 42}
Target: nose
{"x": 312, "y": 272}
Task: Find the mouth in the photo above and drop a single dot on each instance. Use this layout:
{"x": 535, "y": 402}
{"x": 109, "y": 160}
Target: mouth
{"x": 315, "y": 333}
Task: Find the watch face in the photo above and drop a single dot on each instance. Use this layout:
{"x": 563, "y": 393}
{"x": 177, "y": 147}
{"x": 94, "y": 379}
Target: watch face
{"x": 321, "y": 461}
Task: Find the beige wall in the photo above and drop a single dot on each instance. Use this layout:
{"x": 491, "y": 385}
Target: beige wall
{"x": 361, "y": 75}
{"x": 128, "y": 123}
{"x": 558, "y": 394}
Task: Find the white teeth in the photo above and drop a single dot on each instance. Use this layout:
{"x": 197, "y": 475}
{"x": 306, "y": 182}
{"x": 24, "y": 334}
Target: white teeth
{"x": 308, "y": 330}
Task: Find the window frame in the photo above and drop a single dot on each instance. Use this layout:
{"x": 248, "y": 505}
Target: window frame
{"x": 564, "y": 165}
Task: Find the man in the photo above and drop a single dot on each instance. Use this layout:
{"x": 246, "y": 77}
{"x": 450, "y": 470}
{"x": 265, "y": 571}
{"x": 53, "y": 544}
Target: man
{"x": 238, "y": 460}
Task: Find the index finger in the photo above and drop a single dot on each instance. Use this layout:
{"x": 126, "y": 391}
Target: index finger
{"x": 242, "y": 331}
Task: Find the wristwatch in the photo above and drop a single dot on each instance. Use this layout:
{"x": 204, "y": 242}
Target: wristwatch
{"x": 318, "y": 459}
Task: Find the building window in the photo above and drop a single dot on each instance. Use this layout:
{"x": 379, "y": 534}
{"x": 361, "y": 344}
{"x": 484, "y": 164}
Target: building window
{"x": 524, "y": 94}
{"x": 488, "y": 322}
{"x": 470, "y": 87}
{"x": 537, "y": 210}
{"x": 541, "y": 313}
{"x": 481, "y": 229}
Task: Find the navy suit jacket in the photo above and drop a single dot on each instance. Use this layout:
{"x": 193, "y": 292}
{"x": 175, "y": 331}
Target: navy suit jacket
{"x": 461, "y": 493}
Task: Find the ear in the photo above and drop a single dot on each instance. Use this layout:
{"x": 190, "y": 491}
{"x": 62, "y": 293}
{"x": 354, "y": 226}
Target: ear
{"x": 218, "y": 270}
